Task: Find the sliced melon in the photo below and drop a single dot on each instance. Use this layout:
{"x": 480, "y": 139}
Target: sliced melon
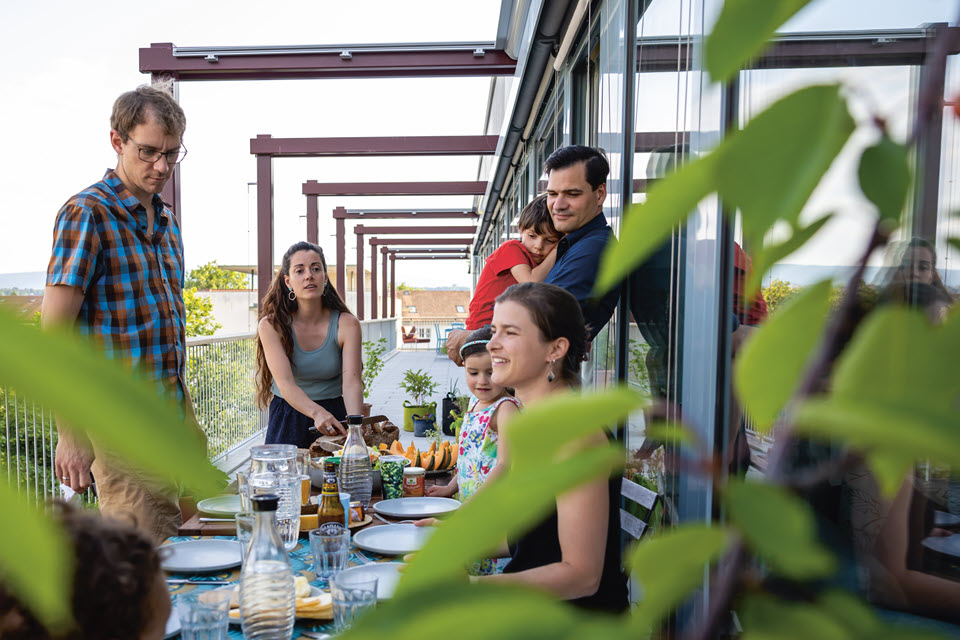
{"x": 433, "y": 447}
{"x": 444, "y": 458}
{"x": 454, "y": 454}
{"x": 427, "y": 461}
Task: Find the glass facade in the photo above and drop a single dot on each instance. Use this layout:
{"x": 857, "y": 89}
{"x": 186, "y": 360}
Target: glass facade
{"x": 632, "y": 85}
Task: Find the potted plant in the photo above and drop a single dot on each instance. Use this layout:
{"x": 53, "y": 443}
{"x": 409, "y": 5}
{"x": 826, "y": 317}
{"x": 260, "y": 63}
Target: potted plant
{"x": 462, "y": 406}
{"x": 420, "y": 386}
{"x": 449, "y": 411}
{"x": 372, "y": 366}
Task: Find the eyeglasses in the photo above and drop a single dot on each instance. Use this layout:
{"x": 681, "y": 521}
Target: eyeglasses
{"x": 152, "y": 155}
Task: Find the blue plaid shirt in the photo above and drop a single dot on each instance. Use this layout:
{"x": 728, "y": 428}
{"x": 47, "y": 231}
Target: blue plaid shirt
{"x": 132, "y": 279}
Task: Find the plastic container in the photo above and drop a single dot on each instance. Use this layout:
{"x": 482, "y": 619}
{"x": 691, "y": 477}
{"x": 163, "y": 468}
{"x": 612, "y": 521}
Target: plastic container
{"x": 267, "y": 598}
{"x": 356, "y": 472}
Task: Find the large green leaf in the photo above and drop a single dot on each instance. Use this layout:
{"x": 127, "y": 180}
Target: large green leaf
{"x": 647, "y": 225}
{"x": 770, "y": 365}
{"x": 885, "y": 177}
{"x": 768, "y": 171}
{"x": 511, "y": 505}
{"x": 540, "y": 432}
{"x": 771, "y": 254}
{"x": 894, "y": 393}
{"x": 482, "y": 611}
{"x": 770, "y": 168}
{"x": 100, "y": 397}
{"x": 779, "y": 527}
{"x": 764, "y": 616}
{"x": 742, "y": 32}
{"x": 671, "y": 565}
{"x": 35, "y": 559}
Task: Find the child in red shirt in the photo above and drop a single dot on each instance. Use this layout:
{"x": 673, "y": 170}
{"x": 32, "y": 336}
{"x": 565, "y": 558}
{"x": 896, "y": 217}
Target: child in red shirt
{"x": 526, "y": 260}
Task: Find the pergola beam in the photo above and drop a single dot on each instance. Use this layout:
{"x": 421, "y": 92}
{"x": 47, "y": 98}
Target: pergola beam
{"x": 265, "y": 144}
{"x": 337, "y": 61}
{"x": 423, "y": 241}
{"x": 471, "y": 188}
{"x": 388, "y": 231}
{"x": 416, "y": 257}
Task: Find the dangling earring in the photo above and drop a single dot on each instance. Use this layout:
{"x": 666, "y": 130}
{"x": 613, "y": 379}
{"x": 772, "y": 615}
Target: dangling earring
{"x": 292, "y": 296}
{"x": 550, "y": 375}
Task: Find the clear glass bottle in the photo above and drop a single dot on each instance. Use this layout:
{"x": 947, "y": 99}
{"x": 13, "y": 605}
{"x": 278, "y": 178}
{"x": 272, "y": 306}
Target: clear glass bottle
{"x": 356, "y": 472}
{"x": 267, "y": 599}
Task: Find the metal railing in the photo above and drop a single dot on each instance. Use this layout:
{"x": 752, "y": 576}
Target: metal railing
{"x": 220, "y": 375}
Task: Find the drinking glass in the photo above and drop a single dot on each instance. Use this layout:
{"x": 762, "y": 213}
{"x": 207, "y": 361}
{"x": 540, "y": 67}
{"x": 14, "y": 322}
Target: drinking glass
{"x": 354, "y": 593}
{"x": 244, "y": 520}
{"x": 287, "y": 487}
{"x": 330, "y": 552}
{"x": 303, "y": 461}
{"x": 345, "y": 501}
{"x": 273, "y": 458}
{"x": 243, "y": 488}
{"x": 304, "y": 489}
{"x": 204, "y": 615}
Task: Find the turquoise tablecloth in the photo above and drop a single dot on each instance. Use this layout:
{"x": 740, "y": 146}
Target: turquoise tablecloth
{"x": 301, "y": 561}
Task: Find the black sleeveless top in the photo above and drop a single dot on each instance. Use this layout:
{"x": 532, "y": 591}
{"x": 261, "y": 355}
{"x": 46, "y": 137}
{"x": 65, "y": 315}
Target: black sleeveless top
{"x": 541, "y": 546}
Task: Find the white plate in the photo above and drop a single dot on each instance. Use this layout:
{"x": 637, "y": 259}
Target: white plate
{"x": 388, "y": 575}
{"x": 198, "y": 556}
{"x": 173, "y": 623}
{"x": 221, "y": 506}
{"x": 314, "y": 592}
{"x": 416, "y": 507}
{"x": 393, "y": 539}
{"x": 948, "y": 545}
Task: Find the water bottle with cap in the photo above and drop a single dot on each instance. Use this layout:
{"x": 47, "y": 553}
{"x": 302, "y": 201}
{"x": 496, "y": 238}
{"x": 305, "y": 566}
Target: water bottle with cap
{"x": 267, "y": 598}
{"x": 356, "y": 472}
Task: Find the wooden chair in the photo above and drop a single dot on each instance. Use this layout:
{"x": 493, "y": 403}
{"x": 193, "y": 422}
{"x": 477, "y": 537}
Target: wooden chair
{"x": 410, "y": 337}
{"x": 630, "y": 524}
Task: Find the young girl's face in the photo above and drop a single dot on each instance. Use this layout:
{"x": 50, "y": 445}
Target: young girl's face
{"x": 479, "y": 372}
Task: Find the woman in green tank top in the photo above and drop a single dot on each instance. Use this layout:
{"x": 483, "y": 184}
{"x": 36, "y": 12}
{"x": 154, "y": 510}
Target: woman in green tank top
{"x": 308, "y": 352}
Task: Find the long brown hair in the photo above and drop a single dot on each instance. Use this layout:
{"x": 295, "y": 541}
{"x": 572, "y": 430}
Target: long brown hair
{"x": 557, "y": 314}
{"x": 278, "y": 309}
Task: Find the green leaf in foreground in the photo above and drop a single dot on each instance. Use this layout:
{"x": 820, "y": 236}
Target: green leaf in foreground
{"x": 954, "y": 242}
{"x": 512, "y": 504}
{"x": 35, "y": 559}
{"x": 894, "y": 393}
{"x": 764, "y": 616}
{"x": 774, "y": 253}
{"x": 480, "y": 612}
{"x": 885, "y": 177}
{"x": 742, "y": 31}
{"x": 769, "y": 367}
{"x": 541, "y": 431}
{"x": 647, "y": 225}
{"x": 779, "y": 527}
{"x": 671, "y": 565}
{"x": 770, "y": 168}
{"x": 100, "y": 397}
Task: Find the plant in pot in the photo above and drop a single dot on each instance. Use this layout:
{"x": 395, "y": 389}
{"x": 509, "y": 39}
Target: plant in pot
{"x": 462, "y": 405}
{"x": 373, "y": 351}
{"x": 449, "y": 410}
{"x": 420, "y": 386}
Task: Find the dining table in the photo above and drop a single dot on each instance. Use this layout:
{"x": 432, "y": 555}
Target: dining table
{"x": 301, "y": 561}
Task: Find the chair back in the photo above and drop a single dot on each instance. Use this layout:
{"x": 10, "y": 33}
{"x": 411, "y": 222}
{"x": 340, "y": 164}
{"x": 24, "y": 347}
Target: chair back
{"x": 630, "y": 524}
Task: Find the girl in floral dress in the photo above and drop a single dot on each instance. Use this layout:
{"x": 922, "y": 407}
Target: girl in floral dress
{"x": 477, "y": 458}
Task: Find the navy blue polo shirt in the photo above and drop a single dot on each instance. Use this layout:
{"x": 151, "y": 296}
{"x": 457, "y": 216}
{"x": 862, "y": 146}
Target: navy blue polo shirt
{"x": 578, "y": 262}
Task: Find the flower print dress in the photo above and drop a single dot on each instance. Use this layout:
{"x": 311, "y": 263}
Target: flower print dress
{"x": 475, "y": 461}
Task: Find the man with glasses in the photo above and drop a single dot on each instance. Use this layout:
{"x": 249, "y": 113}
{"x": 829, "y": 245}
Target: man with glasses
{"x": 116, "y": 272}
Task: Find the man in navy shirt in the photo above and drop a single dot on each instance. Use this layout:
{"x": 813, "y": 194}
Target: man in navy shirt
{"x": 576, "y": 190}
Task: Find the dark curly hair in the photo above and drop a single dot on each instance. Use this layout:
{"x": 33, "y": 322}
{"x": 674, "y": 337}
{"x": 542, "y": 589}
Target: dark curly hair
{"x": 115, "y": 570}
{"x": 557, "y": 314}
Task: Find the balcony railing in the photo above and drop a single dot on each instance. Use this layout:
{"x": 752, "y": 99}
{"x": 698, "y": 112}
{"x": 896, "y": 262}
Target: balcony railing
{"x": 220, "y": 376}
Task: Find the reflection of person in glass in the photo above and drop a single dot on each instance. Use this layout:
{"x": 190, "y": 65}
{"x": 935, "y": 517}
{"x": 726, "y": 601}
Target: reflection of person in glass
{"x": 915, "y": 281}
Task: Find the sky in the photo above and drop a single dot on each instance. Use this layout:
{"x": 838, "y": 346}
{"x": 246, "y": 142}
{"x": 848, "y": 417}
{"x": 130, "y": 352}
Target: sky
{"x": 62, "y": 76}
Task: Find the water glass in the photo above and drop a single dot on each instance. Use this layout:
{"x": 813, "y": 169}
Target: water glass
{"x": 330, "y": 552}
{"x": 273, "y": 458}
{"x": 204, "y": 615}
{"x": 354, "y": 593}
{"x": 243, "y": 488}
{"x": 287, "y": 487}
{"x": 303, "y": 461}
{"x": 345, "y": 501}
{"x": 244, "y": 520}
{"x": 304, "y": 489}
